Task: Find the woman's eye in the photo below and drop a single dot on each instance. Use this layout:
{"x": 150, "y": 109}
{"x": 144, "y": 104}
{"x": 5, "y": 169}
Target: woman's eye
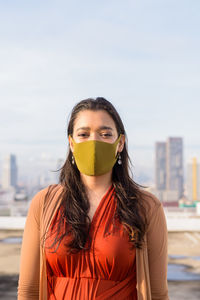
{"x": 87, "y": 135}
{"x": 82, "y": 134}
{"x": 106, "y": 134}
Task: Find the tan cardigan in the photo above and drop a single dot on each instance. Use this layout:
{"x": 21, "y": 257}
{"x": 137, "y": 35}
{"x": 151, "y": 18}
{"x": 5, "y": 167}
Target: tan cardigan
{"x": 151, "y": 261}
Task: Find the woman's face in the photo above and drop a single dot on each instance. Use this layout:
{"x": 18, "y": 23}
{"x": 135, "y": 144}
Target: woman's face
{"x": 95, "y": 125}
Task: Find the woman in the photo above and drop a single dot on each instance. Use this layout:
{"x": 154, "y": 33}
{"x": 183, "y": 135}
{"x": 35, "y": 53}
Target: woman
{"x": 97, "y": 234}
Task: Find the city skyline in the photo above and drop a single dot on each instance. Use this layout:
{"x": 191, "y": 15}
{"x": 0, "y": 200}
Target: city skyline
{"x": 45, "y": 168}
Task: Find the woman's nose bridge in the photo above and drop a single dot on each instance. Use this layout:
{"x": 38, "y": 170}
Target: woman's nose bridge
{"x": 94, "y": 136}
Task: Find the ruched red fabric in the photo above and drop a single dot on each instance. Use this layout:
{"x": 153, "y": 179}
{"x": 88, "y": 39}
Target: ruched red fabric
{"x": 106, "y": 271}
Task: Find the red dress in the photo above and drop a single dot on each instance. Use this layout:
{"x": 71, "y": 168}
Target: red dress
{"x": 106, "y": 271}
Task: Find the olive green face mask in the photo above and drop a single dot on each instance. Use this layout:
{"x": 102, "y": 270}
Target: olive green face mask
{"x": 95, "y": 157}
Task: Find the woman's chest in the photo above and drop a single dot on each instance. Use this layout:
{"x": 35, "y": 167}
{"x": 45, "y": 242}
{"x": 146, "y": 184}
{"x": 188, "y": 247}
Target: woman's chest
{"x": 109, "y": 254}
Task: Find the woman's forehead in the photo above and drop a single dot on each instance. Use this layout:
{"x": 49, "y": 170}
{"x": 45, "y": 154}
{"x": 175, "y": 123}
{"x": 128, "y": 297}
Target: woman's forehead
{"x": 91, "y": 119}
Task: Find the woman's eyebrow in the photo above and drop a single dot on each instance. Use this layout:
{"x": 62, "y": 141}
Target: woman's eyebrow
{"x": 105, "y": 127}
{"x": 85, "y": 128}
{"x": 101, "y": 127}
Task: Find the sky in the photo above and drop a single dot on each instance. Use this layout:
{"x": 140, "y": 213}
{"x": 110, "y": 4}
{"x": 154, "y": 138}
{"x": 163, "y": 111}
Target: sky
{"x": 143, "y": 56}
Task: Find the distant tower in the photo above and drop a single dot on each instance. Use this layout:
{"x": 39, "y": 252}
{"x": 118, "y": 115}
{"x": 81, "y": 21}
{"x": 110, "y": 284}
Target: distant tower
{"x": 169, "y": 170}
{"x": 193, "y": 180}
{"x": 160, "y": 174}
{"x": 174, "y": 163}
{"x": 10, "y": 171}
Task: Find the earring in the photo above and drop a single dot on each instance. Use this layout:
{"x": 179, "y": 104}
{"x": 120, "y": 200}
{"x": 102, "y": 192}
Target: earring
{"x": 119, "y": 160}
{"x": 72, "y": 159}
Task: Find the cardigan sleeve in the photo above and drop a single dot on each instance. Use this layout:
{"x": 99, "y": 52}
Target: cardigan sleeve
{"x": 157, "y": 243}
{"x": 29, "y": 275}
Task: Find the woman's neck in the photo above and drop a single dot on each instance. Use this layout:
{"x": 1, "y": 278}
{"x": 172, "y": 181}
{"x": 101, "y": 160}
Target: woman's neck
{"x": 97, "y": 184}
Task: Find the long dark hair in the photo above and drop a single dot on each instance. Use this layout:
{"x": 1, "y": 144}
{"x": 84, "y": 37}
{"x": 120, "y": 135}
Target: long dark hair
{"x": 130, "y": 209}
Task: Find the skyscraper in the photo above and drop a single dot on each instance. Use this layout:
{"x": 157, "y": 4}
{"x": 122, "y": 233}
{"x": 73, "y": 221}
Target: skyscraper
{"x": 175, "y": 165}
{"x": 169, "y": 169}
{"x": 193, "y": 180}
{"x": 10, "y": 171}
{"x": 160, "y": 165}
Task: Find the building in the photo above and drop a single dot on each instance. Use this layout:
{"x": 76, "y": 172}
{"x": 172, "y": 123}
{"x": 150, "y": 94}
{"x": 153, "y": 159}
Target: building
{"x": 174, "y": 165}
{"x": 160, "y": 174}
{"x": 169, "y": 170}
{"x": 10, "y": 172}
{"x": 193, "y": 180}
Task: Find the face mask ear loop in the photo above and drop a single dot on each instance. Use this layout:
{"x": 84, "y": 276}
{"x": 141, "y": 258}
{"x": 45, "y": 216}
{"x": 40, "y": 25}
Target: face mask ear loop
{"x": 72, "y": 139}
{"x": 118, "y": 153}
{"x": 70, "y": 148}
{"x": 73, "y": 160}
{"x": 118, "y": 139}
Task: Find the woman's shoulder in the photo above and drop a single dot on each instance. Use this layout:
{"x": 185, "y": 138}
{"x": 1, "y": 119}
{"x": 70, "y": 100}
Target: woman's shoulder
{"x": 40, "y": 198}
{"x": 150, "y": 202}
